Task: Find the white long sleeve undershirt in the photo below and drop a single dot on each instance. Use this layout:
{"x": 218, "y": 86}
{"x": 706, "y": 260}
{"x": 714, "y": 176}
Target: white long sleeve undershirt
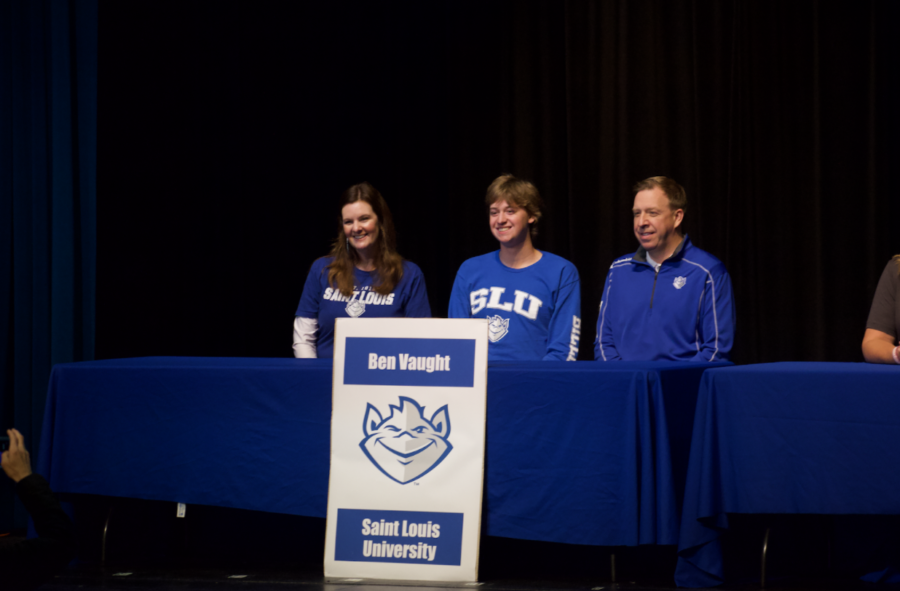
{"x": 305, "y": 330}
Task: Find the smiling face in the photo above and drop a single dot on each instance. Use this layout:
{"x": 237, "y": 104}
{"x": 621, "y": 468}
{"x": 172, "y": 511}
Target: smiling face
{"x": 360, "y": 226}
{"x": 509, "y": 223}
{"x": 406, "y": 445}
{"x": 655, "y": 223}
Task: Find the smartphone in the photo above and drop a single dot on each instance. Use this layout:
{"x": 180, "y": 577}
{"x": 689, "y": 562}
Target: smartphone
{"x": 4, "y": 443}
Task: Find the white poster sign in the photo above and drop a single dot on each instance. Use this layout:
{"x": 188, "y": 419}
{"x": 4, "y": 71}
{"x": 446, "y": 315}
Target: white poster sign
{"x": 407, "y": 449}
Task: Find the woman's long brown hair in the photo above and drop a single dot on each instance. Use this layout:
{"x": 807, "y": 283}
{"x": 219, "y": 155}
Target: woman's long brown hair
{"x": 388, "y": 264}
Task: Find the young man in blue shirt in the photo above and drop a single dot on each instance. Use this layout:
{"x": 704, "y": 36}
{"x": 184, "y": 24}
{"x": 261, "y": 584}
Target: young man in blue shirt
{"x": 532, "y": 298}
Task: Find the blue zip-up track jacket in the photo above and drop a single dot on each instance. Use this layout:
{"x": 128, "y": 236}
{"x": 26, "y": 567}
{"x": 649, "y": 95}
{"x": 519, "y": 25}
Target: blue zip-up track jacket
{"x": 683, "y": 312}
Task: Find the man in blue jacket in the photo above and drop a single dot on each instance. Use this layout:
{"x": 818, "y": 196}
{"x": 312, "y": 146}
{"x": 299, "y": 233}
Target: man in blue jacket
{"x": 669, "y": 300}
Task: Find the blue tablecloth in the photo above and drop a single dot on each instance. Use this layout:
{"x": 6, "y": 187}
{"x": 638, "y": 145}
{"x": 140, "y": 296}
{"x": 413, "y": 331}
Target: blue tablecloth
{"x": 584, "y": 453}
{"x": 787, "y": 438}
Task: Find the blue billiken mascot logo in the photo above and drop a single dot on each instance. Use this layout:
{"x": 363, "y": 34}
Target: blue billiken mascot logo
{"x": 406, "y": 446}
{"x": 497, "y": 328}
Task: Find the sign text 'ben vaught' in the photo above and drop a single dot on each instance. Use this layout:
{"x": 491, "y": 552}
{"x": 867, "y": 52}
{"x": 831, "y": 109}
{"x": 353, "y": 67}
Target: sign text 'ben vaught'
{"x": 408, "y": 362}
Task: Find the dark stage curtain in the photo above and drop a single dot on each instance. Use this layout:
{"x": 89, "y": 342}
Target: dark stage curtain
{"x": 776, "y": 117}
{"x": 48, "y": 146}
{"x": 237, "y": 125}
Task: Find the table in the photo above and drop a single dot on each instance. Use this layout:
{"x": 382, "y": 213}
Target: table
{"x": 820, "y": 438}
{"x": 584, "y": 453}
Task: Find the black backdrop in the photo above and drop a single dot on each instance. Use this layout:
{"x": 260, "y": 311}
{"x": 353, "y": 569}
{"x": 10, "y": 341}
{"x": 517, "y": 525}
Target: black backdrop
{"x": 227, "y": 130}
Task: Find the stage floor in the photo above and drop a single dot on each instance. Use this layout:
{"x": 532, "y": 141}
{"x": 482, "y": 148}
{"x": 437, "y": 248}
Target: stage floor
{"x": 121, "y": 578}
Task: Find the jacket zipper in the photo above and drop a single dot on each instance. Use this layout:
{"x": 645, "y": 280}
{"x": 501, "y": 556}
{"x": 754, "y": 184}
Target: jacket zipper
{"x": 653, "y": 293}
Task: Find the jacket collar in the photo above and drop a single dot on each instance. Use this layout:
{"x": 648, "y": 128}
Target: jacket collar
{"x": 640, "y": 255}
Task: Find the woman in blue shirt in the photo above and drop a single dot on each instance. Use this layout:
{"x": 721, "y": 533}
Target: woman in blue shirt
{"x": 363, "y": 276}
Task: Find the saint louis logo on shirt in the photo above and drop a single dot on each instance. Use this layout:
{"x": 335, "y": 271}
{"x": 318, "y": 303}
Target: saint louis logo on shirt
{"x": 406, "y": 446}
{"x": 498, "y": 328}
{"x": 355, "y": 308}
{"x": 679, "y": 282}
{"x": 357, "y": 302}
